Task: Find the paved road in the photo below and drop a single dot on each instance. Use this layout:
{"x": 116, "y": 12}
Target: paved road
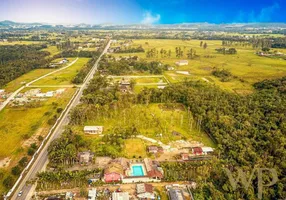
{"x": 5, "y": 103}
{"x": 53, "y": 86}
{"x": 42, "y": 158}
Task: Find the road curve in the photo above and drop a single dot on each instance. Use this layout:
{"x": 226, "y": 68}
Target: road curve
{"x": 5, "y": 103}
{"x": 42, "y": 157}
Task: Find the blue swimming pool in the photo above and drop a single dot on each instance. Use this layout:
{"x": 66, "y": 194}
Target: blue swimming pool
{"x": 137, "y": 170}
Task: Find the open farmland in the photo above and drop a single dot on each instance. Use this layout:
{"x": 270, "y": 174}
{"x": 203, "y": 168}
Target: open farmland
{"x": 63, "y": 77}
{"x": 246, "y": 66}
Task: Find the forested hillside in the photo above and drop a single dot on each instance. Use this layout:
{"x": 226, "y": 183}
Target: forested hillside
{"x": 20, "y": 59}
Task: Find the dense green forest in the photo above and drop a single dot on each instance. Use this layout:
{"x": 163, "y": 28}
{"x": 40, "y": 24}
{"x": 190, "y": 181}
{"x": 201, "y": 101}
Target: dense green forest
{"x": 250, "y": 130}
{"x": 19, "y": 59}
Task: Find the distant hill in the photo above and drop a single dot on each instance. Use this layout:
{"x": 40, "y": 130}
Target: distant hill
{"x": 7, "y": 24}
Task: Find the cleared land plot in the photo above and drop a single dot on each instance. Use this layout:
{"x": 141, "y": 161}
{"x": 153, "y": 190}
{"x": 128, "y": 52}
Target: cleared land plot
{"x": 65, "y": 76}
{"x": 135, "y": 148}
{"x": 143, "y": 80}
{"x": 246, "y": 65}
{"x": 152, "y": 121}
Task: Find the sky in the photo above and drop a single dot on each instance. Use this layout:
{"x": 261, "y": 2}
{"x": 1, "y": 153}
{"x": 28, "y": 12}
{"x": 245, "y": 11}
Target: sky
{"x": 142, "y": 11}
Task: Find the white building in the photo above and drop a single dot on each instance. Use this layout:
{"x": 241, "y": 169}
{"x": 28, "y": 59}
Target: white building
{"x": 40, "y": 95}
{"x": 183, "y": 72}
{"x": 120, "y": 196}
{"x": 182, "y": 62}
{"x": 92, "y": 194}
{"x": 49, "y": 94}
{"x": 145, "y": 191}
{"x": 2, "y": 91}
{"x": 207, "y": 150}
{"x": 93, "y": 129}
{"x": 60, "y": 91}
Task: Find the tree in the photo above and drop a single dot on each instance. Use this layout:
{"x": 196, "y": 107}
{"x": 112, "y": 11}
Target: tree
{"x": 8, "y": 181}
{"x": 16, "y": 170}
{"x": 205, "y": 45}
{"x": 23, "y": 162}
{"x": 31, "y": 151}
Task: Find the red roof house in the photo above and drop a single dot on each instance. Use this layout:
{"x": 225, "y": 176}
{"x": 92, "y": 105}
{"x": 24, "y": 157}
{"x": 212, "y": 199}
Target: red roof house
{"x": 197, "y": 151}
{"x": 185, "y": 156}
{"x": 113, "y": 173}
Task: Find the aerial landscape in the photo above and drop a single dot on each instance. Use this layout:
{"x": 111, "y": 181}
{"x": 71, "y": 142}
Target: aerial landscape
{"x": 140, "y": 99}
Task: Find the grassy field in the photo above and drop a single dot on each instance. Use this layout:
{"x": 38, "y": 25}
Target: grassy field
{"x": 143, "y": 79}
{"x": 65, "y": 76}
{"x": 246, "y": 65}
{"x": 135, "y": 147}
{"x": 20, "y": 127}
{"x": 52, "y": 49}
{"x": 18, "y": 82}
{"x": 153, "y": 120}
{"x": 21, "y": 122}
{"x": 20, "y": 42}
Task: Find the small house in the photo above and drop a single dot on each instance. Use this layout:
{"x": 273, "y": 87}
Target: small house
{"x": 93, "y": 129}
{"x": 207, "y": 150}
{"x": 85, "y": 157}
{"x": 94, "y": 178}
{"x": 2, "y": 91}
{"x": 69, "y": 195}
{"x": 182, "y": 62}
{"x": 145, "y": 191}
{"x": 125, "y": 82}
{"x": 175, "y": 194}
{"x": 32, "y": 92}
{"x": 60, "y": 91}
{"x": 154, "y": 149}
{"x": 120, "y": 196}
{"x": 197, "y": 150}
{"x": 49, "y": 94}
{"x": 92, "y": 194}
{"x": 185, "y": 156}
{"x": 114, "y": 172}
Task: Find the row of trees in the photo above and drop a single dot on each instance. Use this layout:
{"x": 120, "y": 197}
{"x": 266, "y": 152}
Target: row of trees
{"x": 131, "y": 50}
{"x": 127, "y": 66}
{"x": 64, "y": 179}
{"x": 226, "y": 51}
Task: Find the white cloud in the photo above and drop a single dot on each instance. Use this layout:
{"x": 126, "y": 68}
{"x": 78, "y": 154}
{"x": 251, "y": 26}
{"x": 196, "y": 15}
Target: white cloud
{"x": 148, "y": 18}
